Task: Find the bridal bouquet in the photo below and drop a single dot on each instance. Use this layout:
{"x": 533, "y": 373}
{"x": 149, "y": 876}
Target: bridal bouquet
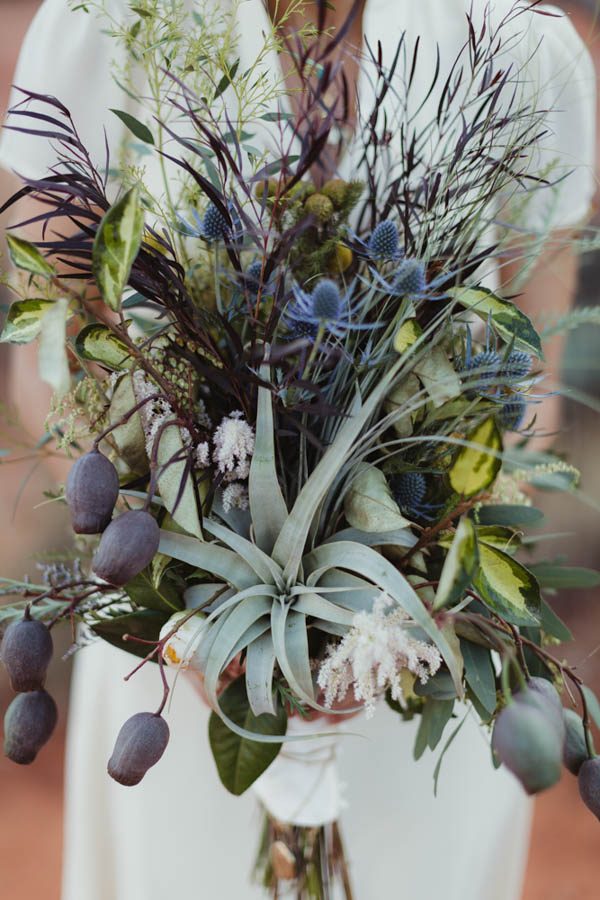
{"x": 287, "y": 397}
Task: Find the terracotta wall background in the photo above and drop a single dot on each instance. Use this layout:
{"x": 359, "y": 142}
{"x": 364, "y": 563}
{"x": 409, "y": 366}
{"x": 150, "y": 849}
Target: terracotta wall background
{"x": 564, "y": 854}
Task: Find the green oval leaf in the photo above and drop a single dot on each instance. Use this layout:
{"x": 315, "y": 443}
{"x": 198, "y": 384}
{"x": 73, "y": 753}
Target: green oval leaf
{"x": 116, "y": 246}
{"x": 24, "y": 320}
{"x": 460, "y": 565}
{"x": 369, "y": 504}
{"x": 241, "y": 761}
{"x": 141, "y": 131}
{"x": 474, "y": 469}
{"x": 26, "y": 255}
{"x": 507, "y": 587}
{"x": 512, "y": 324}
{"x": 98, "y": 344}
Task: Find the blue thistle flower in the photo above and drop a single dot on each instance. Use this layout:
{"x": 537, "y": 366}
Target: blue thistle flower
{"x": 384, "y": 242}
{"x": 517, "y": 366}
{"x": 215, "y": 226}
{"x": 327, "y": 302}
{"x": 409, "y": 491}
{"x": 410, "y": 279}
{"x": 512, "y": 413}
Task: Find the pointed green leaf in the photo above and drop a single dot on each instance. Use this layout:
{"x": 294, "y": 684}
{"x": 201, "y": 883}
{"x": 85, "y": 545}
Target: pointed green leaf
{"x": 240, "y": 761}
{"x": 116, "y": 246}
{"x": 459, "y": 566}
{"x": 479, "y": 674}
{"x": 175, "y": 484}
{"x": 98, "y": 344}
{"x": 369, "y": 505}
{"x": 512, "y": 324}
{"x": 24, "y": 320}
{"x": 141, "y": 131}
{"x": 52, "y": 357}
{"x": 474, "y": 468}
{"x": 507, "y": 587}
{"x": 26, "y": 255}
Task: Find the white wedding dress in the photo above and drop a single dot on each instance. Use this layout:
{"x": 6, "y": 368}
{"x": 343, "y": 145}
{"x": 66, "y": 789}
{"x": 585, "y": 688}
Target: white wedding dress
{"x": 179, "y": 834}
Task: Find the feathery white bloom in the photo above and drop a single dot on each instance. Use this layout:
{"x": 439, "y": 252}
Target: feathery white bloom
{"x": 372, "y": 655}
{"x": 234, "y": 446}
{"x": 235, "y": 496}
{"x": 202, "y": 455}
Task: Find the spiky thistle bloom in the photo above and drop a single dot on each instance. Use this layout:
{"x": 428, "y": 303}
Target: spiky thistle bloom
{"x": 517, "y": 366}
{"x": 214, "y": 224}
{"x": 324, "y": 306}
{"x": 371, "y": 656}
{"x": 512, "y": 413}
{"x": 384, "y": 242}
{"x": 486, "y": 367}
{"x": 233, "y": 447}
{"x": 409, "y": 491}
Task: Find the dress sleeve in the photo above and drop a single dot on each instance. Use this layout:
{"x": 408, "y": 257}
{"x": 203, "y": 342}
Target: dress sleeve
{"x": 561, "y": 73}
{"x": 64, "y": 54}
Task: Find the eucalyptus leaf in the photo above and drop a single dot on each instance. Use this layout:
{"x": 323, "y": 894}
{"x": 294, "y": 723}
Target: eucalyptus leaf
{"x": 24, "y": 320}
{"x": 438, "y": 376}
{"x": 52, "y": 357}
{"x": 511, "y": 323}
{"x": 459, "y": 567}
{"x": 141, "y": 131}
{"x": 434, "y": 718}
{"x": 474, "y": 468}
{"x": 479, "y": 674}
{"x": 559, "y": 577}
{"x": 26, "y": 256}
{"x": 97, "y": 343}
{"x": 129, "y": 437}
{"x": 175, "y": 481}
{"x": 241, "y": 761}
{"x": 145, "y": 624}
{"x": 143, "y": 592}
{"x": 369, "y": 505}
{"x": 509, "y": 515}
{"x": 116, "y": 245}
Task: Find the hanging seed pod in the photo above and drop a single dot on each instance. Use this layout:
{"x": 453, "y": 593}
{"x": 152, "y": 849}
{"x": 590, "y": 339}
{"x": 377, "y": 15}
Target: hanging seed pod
{"x": 525, "y": 740}
{"x": 92, "y": 490}
{"x": 127, "y": 546}
{"x": 28, "y": 725}
{"x": 26, "y": 651}
{"x": 140, "y": 744}
{"x": 541, "y": 693}
{"x": 589, "y": 784}
{"x": 575, "y": 751}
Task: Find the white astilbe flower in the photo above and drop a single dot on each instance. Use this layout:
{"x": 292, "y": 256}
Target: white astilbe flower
{"x": 202, "y": 455}
{"x": 233, "y": 447}
{"x": 372, "y": 655}
{"x": 235, "y": 496}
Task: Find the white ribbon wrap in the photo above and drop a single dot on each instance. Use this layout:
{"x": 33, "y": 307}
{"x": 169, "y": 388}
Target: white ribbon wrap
{"x": 302, "y": 786}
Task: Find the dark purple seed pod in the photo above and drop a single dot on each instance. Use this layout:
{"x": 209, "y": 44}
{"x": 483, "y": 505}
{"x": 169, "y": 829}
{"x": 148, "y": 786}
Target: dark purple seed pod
{"x": 575, "y": 751}
{"x": 26, "y": 651}
{"x": 526, "y": 742}
{"x": 589, "y": 784}
{"x": 28, "y": 725}
{"x": 140, "y": 744}
{"x": 126, "y": 547}
{"x": 92, "y": 490}
{"x": 541, "y": 693}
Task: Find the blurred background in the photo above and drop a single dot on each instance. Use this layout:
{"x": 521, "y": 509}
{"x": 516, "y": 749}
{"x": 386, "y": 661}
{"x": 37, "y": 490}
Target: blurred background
{"x": 563, "y": 863}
